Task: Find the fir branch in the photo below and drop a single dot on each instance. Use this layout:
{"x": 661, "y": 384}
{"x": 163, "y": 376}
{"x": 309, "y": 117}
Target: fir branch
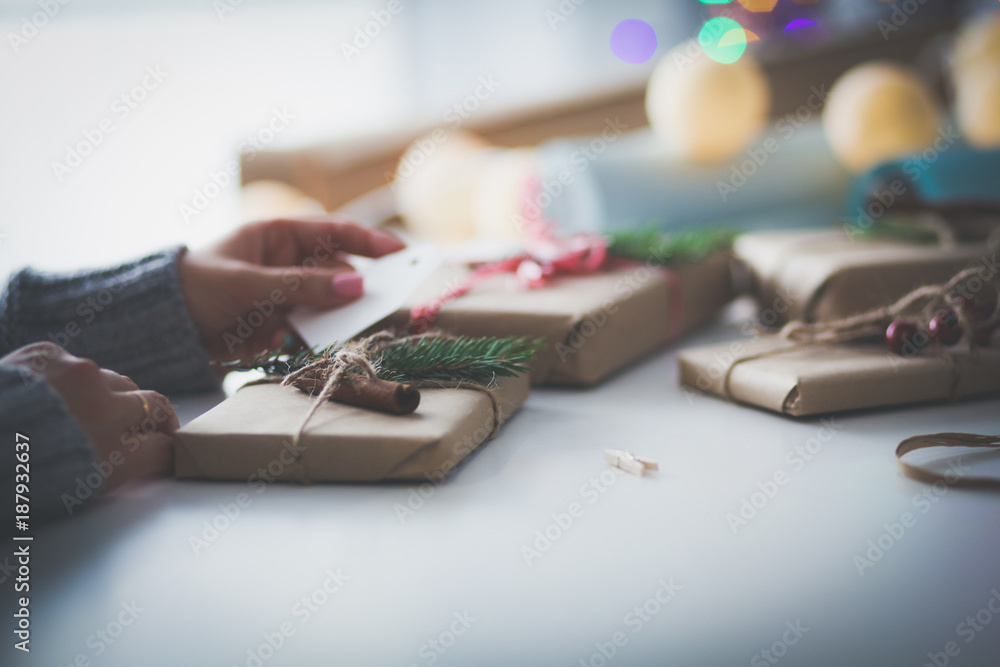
{"x": 474, "y": 359}
{"x": 670, "y": 249}
{"x": 424, "y": 358}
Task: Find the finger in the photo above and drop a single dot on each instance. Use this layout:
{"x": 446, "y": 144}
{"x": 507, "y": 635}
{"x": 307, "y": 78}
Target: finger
{"x": 44, "y": 358}
{"x": 298, "y": 287}
{"x": 117, "y": 382}
{"x": 334, "y": 264}
{"x": 151, "y": 456}
{"x": 325, "y": 235}
{"x": 35, "y": 355}
{"x": 153, "y": 412}
{"x": 79, "y": 382}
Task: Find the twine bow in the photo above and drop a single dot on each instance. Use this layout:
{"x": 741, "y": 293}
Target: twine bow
{"x": 922, "y": 301}
{"x": 576, "y": 255}
{"x": 547, "y": 255}
{"x": 360, "y": 357}
{"x": 873, "y": 322}
{"x": 356, "y": 356}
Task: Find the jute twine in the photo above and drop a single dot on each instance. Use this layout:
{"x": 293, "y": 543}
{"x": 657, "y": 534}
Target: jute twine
{"x": 361, "y": 357}
{"x": 923, "y": 302}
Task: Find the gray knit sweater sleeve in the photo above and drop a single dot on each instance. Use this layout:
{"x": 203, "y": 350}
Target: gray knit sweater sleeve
{"x": 131, "y": 319}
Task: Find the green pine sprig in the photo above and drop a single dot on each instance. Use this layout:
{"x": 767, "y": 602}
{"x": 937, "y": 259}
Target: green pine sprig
{"x": 421, "y": 359}
{"x": 433, "y": 358}
{"x": 650, "y": 244}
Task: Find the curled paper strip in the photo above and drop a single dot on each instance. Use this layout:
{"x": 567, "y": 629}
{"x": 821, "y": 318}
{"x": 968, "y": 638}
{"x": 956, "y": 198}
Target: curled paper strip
{"x": 946, "y": 440}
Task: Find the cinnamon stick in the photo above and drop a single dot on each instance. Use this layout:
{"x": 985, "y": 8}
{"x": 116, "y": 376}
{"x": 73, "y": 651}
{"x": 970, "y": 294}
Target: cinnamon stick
{"x": 366, "y": 392}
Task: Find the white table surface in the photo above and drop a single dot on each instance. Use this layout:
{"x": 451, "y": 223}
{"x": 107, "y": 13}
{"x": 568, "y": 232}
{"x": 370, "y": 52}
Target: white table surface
{"x": 461, "y": 552}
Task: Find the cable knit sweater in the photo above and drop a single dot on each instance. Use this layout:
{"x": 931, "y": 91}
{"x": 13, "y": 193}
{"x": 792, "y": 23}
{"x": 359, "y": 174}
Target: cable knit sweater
{"x": 131, "y": 319}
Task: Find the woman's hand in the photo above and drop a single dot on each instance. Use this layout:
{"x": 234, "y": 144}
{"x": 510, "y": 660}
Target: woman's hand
{"x": 132, "y": 441}
{"x": 239, "y": 291}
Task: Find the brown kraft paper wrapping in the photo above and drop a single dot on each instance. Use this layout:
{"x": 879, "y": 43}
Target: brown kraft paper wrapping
{"x": 593, "y": 324}
{"x": 816, "y": 276}
{"x": 252, "y": 431}
{"x": 813, "y": 380}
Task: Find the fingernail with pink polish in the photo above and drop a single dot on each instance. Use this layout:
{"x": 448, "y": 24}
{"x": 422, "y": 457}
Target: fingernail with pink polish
{"x": 348, "y": 284}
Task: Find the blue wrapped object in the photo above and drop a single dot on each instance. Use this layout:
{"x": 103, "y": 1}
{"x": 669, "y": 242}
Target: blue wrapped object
{"x": 946, "y": 173}
{"x": 787, "y": 178}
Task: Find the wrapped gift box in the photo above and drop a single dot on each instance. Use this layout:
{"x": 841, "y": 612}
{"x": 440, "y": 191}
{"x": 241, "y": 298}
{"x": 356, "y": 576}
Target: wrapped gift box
{"x": 253, "y": 430}
{"x": 824, "y": 275}
{"x": 593, "y": 324}
{"x": 812, "y": 380}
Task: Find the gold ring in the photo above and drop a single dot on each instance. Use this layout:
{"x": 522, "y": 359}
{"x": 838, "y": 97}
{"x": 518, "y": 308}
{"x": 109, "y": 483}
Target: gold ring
{"x": 145, "y": 406}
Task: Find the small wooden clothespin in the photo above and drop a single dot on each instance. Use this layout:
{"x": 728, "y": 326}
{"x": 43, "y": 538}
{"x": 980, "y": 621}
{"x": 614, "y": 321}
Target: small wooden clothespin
{"x": 629, "y": 462}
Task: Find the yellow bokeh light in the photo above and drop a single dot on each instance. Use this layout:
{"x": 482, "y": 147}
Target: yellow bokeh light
{"x": 759, "y": 5}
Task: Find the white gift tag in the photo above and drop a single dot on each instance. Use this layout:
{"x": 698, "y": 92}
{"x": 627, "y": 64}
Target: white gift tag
{"x": 389, "y": 282}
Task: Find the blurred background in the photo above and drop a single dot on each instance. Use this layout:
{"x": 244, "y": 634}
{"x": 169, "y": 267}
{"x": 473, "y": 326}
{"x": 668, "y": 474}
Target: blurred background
{"x": 119, "y": 115}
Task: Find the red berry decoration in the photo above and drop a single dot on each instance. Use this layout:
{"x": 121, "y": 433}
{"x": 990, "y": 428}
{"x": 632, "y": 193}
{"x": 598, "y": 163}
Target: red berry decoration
{"x": 905, "y": 338}
{"x": 944, "y": 328}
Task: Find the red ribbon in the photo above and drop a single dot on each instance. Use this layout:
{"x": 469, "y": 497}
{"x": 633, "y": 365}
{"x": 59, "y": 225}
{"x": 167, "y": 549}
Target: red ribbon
{"x": 546, "y": 257}
{"x": 575, "y": 255}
